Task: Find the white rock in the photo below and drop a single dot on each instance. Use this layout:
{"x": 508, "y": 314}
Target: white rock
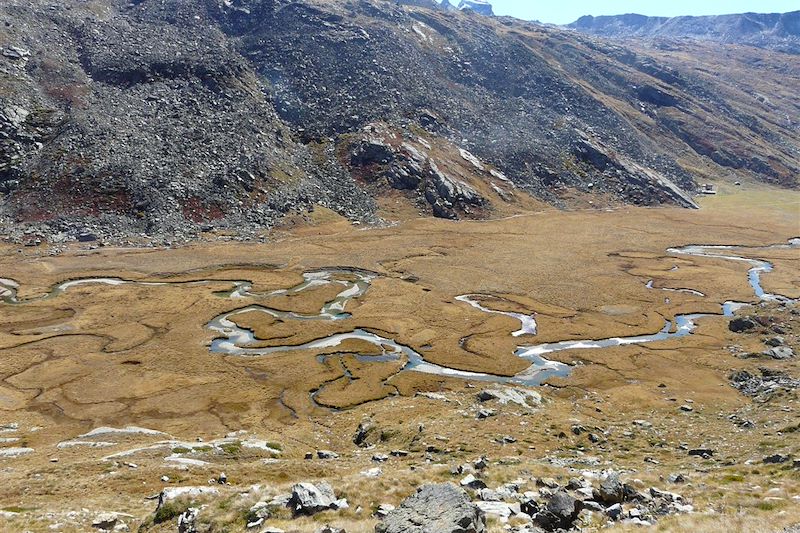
{"x": 372, "y": 472}
{"x": 433, "y": 396}
{"x": 472, "y": 159}
{"x": 87, "y": 443}
{"x": 128, "y": 430}
{"x": 105, "y": 521}
{"x": 15, "y": 452}
{"x": 524, "y": 398}
{"x": 500, "y": 509}
{"x": 171, "y": 493}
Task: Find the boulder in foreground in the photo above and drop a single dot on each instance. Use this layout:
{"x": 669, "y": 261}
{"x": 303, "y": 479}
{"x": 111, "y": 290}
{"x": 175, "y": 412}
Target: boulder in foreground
{"x": 443, "y": 508}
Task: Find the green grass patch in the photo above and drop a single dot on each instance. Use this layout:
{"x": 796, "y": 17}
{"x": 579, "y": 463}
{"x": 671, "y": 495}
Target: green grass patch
{"x": 231, "y": 448}
{"x": 768, "y": 506}
{"x": 16, "y": 509}
{"x": 168, "y": 511}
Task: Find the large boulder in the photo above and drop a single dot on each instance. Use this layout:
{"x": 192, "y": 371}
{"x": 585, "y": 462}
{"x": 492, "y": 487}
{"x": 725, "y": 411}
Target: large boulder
{"x": 190, "y": 493}
{"x": 741, "y": 324}
{"x": 611, "y": 490}
{"x": 308, "y": 499}
{"x": 441, "y": 508}
{"x": 560, "y": 512}
{"x": 367, "y": 434}
{"x": 187, "y": 521}
{"x": 780, "y": 352}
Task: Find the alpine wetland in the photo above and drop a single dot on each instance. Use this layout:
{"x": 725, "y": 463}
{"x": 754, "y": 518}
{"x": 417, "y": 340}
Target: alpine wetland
{"x": 397, "y": 266}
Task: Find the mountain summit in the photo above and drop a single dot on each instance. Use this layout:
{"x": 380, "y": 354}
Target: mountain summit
{"x": 775, "y": 31}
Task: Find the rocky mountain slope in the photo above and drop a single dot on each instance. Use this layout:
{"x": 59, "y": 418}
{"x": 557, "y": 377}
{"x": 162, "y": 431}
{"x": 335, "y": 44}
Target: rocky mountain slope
{"x": 162, "y": 118}
{"x": 775, "y": 31}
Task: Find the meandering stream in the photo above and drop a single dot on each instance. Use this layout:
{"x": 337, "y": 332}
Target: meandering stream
{"x": 231, "y": 339}
{"x": 240, "y": 341}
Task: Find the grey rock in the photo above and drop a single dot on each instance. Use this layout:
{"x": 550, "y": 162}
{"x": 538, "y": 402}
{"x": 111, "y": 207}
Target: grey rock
{"x": 187, "y": 521}
{"x": 308, "y": 499}
{"x": 441, "y": 508}
{"x": 16, "y": 52}
{"x": 260, "y": 511}
{"x": 705, "y": 453}
{"x": 548, "y": 482}
{"x": 614, "y": 512}
{"x": 775, "y": 341}
{"x": 577, "y": 483}
{"x": 499, "y": 509}
{"x": 281, "y": 500}
{"x": 611, "y": 490}
{"x": 327, "y": 454}
{"x": 593, "y": 506}
{"x": 367, "y": 434}
{"x": 742, "y": 324}
{"x": 463, "y": 469}
{"x": 763, "y": 387}
{"x": 560, "y": 512}
{"x": 508, "y": 491}
{"x": 330, "y": 529}
{"x": 489, "y": 495}
{"x": 105, "y": 521}
{"x": 676, "y": 478}
{"x": 780, "y": 352}
{"x": 664, "y": 495}
{"x": 472, "y": 482}
{"x": 172, "y": 493}
{"x": 384, "y": 509}
{"x": 486, "y": 413}
{"x": 255, "y": 106}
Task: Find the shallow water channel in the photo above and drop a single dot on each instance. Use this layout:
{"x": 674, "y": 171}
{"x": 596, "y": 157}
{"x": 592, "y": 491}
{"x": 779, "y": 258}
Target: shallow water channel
{"x": 234, "y": 340}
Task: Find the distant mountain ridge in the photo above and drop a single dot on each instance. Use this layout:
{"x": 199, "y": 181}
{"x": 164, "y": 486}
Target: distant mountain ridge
{"x": 774, "y": 31}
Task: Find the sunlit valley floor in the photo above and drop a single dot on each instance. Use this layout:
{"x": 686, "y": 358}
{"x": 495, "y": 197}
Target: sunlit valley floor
{"x": 241, "y": 358}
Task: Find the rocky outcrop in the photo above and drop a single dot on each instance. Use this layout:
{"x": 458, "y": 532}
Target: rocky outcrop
{"x": 443, "y": 508}
{"x": 765, "y": 386}
{"x": 647, "y": 185}
{"x": 434, "y": 174}
{"x": 367, "y": 434}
